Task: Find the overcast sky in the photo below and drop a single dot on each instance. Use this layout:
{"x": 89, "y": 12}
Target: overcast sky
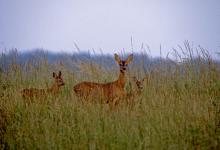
{"x": 109, "y": 24}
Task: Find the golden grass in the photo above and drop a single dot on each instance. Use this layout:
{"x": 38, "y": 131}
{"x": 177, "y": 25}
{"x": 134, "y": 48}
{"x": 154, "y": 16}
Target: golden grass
{"x": 178, "y": 109}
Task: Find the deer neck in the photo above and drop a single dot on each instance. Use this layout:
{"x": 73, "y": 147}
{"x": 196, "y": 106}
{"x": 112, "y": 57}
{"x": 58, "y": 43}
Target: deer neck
{"x": 54, "y": 89}
{"x": 138, "y": 92}
{"x": 121, "y": 79}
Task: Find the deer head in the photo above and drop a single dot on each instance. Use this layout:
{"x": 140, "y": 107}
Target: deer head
{"x": 139, "y": 83}
{"x": 58, "y": 79}
{"x": 123, "y": 63}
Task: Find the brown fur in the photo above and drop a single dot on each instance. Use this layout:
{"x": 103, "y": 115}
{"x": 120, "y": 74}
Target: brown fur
{"x": 106, "y": 92}
{"x": 41, "y": 93}
{"x": 139, "y": 86}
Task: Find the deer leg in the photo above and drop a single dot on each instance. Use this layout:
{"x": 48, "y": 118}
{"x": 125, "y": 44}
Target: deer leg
{"x": 116, "y": 101}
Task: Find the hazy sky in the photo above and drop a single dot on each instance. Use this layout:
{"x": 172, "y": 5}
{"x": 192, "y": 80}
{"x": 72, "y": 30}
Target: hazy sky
{"x": 109, "y": 24}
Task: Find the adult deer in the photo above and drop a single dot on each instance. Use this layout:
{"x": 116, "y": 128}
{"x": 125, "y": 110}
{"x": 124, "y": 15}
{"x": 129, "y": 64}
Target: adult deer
{"x": 40, "y": 93}
{"x": 106, "y": 92}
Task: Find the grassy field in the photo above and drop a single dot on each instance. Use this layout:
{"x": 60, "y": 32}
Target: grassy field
{"x": 178, "y": 109}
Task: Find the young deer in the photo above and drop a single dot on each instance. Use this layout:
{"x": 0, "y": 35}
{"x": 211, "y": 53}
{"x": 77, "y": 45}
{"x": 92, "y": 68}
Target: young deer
{"x": 107, "y": 92}
{"x": 139, "y": 86}
{"x": 39, "y": 93}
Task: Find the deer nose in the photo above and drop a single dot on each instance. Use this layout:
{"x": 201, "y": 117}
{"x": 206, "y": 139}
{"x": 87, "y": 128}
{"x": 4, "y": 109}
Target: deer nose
{"x": 141, "y": 87}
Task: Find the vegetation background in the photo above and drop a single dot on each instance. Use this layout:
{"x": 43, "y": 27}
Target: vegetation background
{"x": 178, "y": 109}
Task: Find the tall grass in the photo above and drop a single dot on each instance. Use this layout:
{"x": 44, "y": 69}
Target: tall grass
{"x": 179, "y": 108}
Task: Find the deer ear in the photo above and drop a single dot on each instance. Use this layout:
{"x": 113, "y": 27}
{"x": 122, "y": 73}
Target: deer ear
{"x": 54, "y": 74}
{"x": 117, "y": 59}
{"x": 134, "y": 78}
{"x": 60, "y": 74}
{"x": 129, "y": 59}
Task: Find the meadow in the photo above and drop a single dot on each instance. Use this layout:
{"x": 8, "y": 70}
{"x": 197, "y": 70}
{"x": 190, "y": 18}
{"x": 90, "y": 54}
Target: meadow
{"x": 178, "y": 109}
